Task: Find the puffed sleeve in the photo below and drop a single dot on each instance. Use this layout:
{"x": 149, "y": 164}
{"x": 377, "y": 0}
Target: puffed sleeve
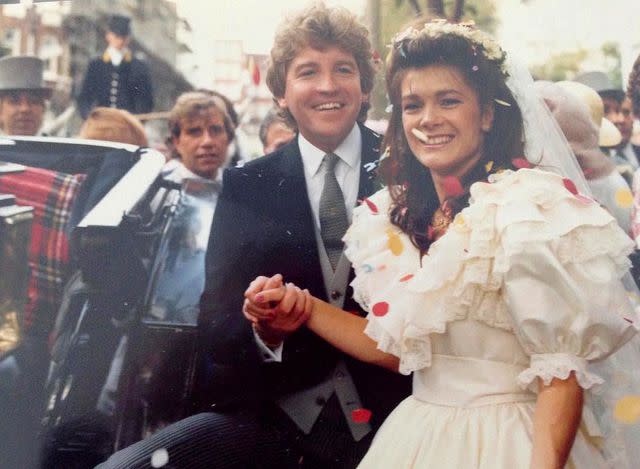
{"x": 562, "y": 258}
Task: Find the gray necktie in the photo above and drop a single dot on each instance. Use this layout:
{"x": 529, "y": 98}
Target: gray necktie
{"x": 333, "y": 214}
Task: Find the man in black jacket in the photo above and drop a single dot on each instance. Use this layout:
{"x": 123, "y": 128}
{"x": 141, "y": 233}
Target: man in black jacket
{"x": 117, "y": 78}
{"x": 276, "y": 395}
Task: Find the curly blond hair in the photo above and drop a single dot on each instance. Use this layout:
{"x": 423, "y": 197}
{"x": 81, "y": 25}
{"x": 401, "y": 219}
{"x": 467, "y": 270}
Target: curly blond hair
{"x": 319, "y": 27}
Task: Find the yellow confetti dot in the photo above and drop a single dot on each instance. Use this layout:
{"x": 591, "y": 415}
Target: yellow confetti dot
{"x": 458, "y": 220}
{"x": 627, "y": 409}
{"x": 488, "y": 166}
{"x": 394, "y": 243}
{"x": 624, "y": 198}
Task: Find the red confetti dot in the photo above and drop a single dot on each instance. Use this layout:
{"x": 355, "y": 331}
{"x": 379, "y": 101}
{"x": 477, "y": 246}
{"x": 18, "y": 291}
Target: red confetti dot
{"x": 452, "y": 186}
{"x": 406, "y": 278}
{"x": 521, "y": 163}
{"x": 587, "y": 172}
{"x": 371, "y": 205}
{"x": 571, "y": 187}
{"x": 380, "y": 309}
{"x": 361, "y": 415}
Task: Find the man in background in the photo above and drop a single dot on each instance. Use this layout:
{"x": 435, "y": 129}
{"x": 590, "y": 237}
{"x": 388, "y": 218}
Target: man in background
{"x": 23, "y": 95}
{"x": 617, "y": 108}
{"x": 117, "y": 78}
{"x": 274, "y": 132}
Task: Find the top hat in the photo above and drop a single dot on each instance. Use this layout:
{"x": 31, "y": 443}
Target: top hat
{"x": 119, "y": 24}
{"x": 23, "y": 73}
{"x": 609, "y": 135}
{"x": 600, "y": 82}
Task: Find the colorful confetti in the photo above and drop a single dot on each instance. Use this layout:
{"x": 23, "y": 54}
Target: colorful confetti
{"x": 627, "y": 409}
{"x": 394, "y": 243}
{"x": 624, "y": 198}
{"x": 367, "y": 268}
{"x": 488, "y": 167}
{"x": 521, "y": 163}
{"x": 502, "y": 103}
{"x": 406, "y": 278}
{"x": 361, "y": 415}
{"x": 159, "y": 458}
{"x": 373, "y": 207}
{"x": 452, "y": 186}
{"x": 420, "y": 135}
{"x": 380, "y": 309}
{"x": 570, "y": 186}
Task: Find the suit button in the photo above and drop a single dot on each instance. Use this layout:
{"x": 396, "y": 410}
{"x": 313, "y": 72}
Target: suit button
{"x": 335, "y": 294}
{"x": 321, "y": 401}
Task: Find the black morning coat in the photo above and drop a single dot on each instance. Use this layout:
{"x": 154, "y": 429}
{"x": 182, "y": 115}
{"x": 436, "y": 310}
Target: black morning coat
{"x": 264, "y": 225}
{"x": 129, "y": 83}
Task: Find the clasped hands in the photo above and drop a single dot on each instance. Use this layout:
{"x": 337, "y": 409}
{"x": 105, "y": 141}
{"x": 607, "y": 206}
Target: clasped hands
{"x": 276, "y": 309}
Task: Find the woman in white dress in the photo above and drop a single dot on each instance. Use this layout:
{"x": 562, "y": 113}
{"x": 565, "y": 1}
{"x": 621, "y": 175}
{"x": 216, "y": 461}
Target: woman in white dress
{"x": 494, "y": 282}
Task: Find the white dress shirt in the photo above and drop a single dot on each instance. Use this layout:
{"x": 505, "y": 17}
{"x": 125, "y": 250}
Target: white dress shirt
{"x": 116, "y": 55}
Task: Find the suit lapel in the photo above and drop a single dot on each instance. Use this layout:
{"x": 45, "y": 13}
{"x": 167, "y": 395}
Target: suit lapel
{"x": 370, "y": 153}
{"x": 298, "y": 225}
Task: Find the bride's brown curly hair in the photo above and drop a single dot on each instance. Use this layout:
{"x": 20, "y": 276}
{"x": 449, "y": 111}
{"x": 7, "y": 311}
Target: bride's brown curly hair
{"x": 414, "y": 198}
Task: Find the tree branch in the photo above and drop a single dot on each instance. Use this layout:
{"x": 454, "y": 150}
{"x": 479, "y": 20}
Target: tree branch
{"x": 436, "y": 7}
{"x": 458, "y": 11}
{"x": 416, "y": 7}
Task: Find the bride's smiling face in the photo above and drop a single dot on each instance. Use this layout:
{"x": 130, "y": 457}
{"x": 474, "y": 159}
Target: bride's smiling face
{"x": 443, "y": 120}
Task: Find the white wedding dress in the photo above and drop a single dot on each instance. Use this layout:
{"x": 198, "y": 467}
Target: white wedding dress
{"x": 523, "y": 285}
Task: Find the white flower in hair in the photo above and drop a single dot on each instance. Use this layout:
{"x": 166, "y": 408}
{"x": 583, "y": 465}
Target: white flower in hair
{"x": 440, "y": 27}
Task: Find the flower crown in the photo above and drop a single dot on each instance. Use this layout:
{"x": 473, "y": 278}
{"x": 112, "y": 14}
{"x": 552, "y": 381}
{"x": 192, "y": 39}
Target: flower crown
{"x": 480, "y": 41}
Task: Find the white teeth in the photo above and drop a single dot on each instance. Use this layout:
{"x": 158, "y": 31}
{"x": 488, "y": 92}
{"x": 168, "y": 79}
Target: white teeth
{"x": 420, "y": 135}
{"x": 328, "y": 106}
{"x": 438, "y": 140}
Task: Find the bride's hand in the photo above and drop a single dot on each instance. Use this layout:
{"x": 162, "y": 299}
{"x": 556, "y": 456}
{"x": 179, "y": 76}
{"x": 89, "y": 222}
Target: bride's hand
{"x": 277, "y": 312}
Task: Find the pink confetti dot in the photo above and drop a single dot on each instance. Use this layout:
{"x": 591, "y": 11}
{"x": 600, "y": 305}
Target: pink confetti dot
{"x": 570, "y": 186}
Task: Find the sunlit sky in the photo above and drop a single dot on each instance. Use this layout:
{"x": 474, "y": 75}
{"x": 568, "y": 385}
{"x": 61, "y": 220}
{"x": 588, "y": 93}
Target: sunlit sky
{"x": 534, "y": 30}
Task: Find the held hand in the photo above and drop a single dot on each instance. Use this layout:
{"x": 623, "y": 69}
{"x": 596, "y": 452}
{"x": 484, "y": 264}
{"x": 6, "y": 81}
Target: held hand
{"x": 277, "y": 312}
{"x": 256, "y": 311}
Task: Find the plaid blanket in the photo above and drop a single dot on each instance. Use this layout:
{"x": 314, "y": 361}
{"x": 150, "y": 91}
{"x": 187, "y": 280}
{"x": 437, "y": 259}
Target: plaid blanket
{"x": 51, "y": 194}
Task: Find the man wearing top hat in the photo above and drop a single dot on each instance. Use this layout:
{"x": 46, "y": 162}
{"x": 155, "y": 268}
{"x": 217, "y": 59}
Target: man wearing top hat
{"x": 116, "y": 79}
{"x": 617, "y": 108}
{"x": 23, "y": 95}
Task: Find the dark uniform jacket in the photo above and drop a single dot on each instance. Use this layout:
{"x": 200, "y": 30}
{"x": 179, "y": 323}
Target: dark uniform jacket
{"x": 127, "y": 86}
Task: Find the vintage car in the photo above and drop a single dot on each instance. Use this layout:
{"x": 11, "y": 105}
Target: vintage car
{"x": 96, "y": 335}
